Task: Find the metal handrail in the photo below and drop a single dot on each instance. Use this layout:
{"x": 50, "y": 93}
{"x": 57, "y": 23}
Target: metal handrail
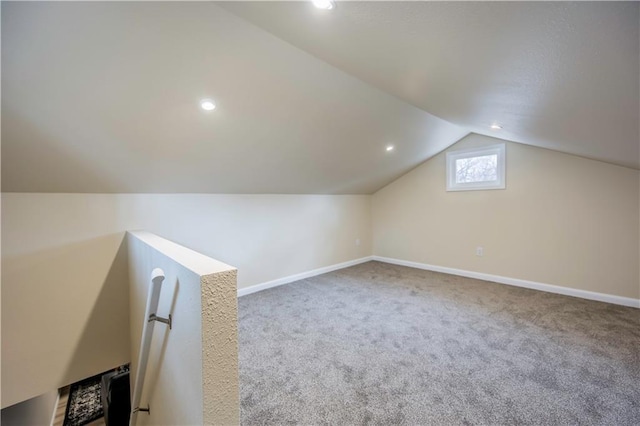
{"x": 150, "y": 318}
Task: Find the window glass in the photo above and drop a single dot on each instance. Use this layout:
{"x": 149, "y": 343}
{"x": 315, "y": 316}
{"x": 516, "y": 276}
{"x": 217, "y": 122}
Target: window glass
{"x": 476, "y": 169}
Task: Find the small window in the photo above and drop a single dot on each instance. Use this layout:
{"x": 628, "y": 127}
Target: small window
{"x": 475, "y": 169}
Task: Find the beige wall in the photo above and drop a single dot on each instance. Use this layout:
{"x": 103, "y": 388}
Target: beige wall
{"x": 64, "y": 302}
{"x": 562, "y": 220}
{"x": 37, "y": 411}
{"x": 265, "y": 236}
{"x": 64, "y": 294}
{"x": 192, "y": 374}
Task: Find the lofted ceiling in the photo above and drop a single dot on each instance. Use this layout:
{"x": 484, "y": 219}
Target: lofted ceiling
{"x": 559, "y": 75}
{"x": 104, "y": 97}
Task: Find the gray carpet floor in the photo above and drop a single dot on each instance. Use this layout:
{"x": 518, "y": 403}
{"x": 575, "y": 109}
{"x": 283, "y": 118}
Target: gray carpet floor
{"x": 384, "y": 344}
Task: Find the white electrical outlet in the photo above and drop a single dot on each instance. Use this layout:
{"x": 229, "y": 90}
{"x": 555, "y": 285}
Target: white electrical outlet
{"x": 479, "y": 251}
{"x": 357, "y": 241}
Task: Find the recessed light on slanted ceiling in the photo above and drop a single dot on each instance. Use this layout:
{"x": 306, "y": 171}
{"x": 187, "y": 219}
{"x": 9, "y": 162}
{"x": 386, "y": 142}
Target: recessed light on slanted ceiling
{"x": 207, "y": 104}
{"x": 324, "y": 4}
{"x": 495, "y": 126}
{"x": 389, "y": 148}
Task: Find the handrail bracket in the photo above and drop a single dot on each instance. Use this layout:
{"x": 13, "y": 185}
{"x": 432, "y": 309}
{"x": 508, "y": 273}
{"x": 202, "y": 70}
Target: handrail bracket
{"x": 146, "y": 410}
{"x": 154, "y": 317}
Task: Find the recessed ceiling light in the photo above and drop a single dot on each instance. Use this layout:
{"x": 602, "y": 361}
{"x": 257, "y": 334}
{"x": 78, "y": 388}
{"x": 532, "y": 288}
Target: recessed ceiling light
{"x": 389, "y": 148}
{"x": 495, "y": 126}
{"x": 207, "y": 104}
{"x": 324, "y": 4}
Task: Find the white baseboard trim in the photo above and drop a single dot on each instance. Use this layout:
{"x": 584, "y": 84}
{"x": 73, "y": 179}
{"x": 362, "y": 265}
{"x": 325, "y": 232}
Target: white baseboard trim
{"x": 583, "y": 294}
{"x": 55, "y": 409}
{"x": 291, "y": 278}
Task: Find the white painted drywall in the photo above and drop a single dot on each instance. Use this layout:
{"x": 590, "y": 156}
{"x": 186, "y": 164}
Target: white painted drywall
{"x": 562, "y": 220}
{"x": 192, "y": 374}
{"x": 118, "y": 108}
{"x": 64, "y": 312}
{"x": 38, "y": 411}
{"x": 538, "y": 68}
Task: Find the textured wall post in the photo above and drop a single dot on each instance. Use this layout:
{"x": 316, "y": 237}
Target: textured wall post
{"x": 220, "y": 348}
{"x": 192, "y": 372}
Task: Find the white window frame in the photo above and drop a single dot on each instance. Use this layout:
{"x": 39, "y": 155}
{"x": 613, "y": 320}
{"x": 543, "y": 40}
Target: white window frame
{"x": 453, "y": 156}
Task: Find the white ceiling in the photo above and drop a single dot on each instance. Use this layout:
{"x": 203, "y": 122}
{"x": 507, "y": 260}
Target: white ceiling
{"x": 559, "y": 75}
{"x": 103, "y": 97}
